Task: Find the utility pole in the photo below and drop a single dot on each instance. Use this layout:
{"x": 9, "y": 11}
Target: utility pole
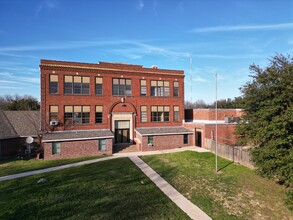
{"x": 216, "y": 122}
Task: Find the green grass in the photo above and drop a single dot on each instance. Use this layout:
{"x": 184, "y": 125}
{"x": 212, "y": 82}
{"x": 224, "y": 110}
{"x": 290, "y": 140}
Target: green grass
{"x": 14, "y": 166}
{"x": 236, "y": 192}
{"x": 114, "y": 189}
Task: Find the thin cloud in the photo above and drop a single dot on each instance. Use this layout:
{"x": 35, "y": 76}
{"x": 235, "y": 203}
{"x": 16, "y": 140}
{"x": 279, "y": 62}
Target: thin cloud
{"x": 140, "y": 5}
{"x": 281, "y": 26}
{"x": 10, "y": 87}
{"x": 60, "y": 45}
{"x": 23, "y": 70}
{"x": 46, "y": 5}
{"x": 198, "y": 79}
{"x": 5, "y": 74}
{"x": 229, "y": 57}
{"x": 10, "y": 78}
{"x": 155, "y": 6}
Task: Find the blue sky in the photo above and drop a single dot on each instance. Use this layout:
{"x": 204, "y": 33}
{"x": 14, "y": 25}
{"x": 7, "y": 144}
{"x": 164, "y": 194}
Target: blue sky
{"x": 223, "y": 37}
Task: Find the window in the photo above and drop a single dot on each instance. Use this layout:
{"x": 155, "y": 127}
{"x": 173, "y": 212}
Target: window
{"x": 76, "y": 115}
{"x": 143, "y": 114}
{"x": 160, "y": 88}
{"x": 176, "y": 89}
{"x": 99, "y": 86}
{"x": 121, "y": 87}
{"x": 176, "y": 113}
{"x": 102, "y": 144}
{"x": 143, "y": 88}
{"x": 185, "y": 139}
{"x": 53, "y": 113}
{"x": 56, "y": 148}
{"x": 85, "y": 114}
{"x": 160, "y": 113}
{"x": 77, "y": 85}
{"x": 99, "y": 114}
{"x": 150, "y": 140}
{"x": 53, "y": 84}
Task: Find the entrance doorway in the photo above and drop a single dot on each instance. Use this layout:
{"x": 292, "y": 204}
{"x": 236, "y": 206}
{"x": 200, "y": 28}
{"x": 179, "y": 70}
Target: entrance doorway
{"x": 198, "y": 139}
{"x": 122, "y": 131}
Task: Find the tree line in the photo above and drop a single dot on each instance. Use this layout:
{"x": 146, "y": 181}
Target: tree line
{"x": 222, "y": 103}
{"x": 18, "y": 103}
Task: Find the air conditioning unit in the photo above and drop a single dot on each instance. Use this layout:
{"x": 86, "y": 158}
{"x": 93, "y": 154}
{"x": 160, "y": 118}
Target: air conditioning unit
{"x": 150, "y": 145}
{"x": 228, "y": 120}
{"x": 53, "y": 123}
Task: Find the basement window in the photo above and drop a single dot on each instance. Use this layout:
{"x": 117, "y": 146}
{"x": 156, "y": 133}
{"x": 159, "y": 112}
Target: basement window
{"x": 185, "y": 139}
{"x": 150, "y": 140}
{"x": 102, "y": 144}
{"x": 56, "y": 148}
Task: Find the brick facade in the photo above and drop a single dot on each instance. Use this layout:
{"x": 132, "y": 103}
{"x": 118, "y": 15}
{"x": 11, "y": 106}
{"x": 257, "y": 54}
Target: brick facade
{"x": 107, "y": 100}
{"x": 210, "y": 114}
{"x": 165, "y": 142}
{"x": 115, "y": 107}
{"x": 72, "y": 149}
{"x": 202, "y": 121}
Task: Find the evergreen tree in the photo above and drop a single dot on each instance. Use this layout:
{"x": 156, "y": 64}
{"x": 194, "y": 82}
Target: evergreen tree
{"x": 268, "y": 120}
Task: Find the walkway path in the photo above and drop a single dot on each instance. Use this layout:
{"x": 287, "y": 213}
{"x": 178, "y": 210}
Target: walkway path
{"x": 117, "y": 155}
{"x": 184, "y": 204}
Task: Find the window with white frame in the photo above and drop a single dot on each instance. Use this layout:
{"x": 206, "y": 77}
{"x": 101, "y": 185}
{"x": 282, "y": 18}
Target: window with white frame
{"x": 143, "y": 113}
{"x": 76, "y": 115}
{"x": 160, "y": 113}
{"x": 53, "y": 84}
{"x": 99, "y": 86}
{"x": 102, "y": 144}
{"x": 121, "y": 87}
{"x": 53, "y": 113}
{"x": 99, "y": 114}
{"x": 56, "y": 148}
{"x": 77, "y": 85}
{"x": 160, "y": 88}
{"x": 176, "y": 113}
{"x": 176, "y": 89}
{"x": 143, "y": 87}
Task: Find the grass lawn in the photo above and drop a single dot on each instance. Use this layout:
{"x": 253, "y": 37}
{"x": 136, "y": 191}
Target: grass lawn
{"x": 114, "y": 189}
{"x": 13, "y": 166}
{"x": 236, "y": 192}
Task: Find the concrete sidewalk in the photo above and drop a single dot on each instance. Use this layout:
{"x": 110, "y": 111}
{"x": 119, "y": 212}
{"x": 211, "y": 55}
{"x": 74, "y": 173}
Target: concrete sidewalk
{"x": 176, "y": 150}
{"x": 50, "y": 169}
{"x": 184, "y": 204}
{"x": 117, "y": 155}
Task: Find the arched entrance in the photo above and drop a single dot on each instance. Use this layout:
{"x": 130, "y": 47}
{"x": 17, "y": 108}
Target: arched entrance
{"x": 123, "y": 120}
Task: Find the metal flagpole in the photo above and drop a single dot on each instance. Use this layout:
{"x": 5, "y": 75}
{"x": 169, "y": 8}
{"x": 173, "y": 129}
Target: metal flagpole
{"x": 216, "y": 122}
{"x": 190, "y": 62}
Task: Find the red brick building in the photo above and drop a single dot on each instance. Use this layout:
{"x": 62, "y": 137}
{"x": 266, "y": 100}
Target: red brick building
{"x": 203, "y": 123}
{"x": 90, "y": 109}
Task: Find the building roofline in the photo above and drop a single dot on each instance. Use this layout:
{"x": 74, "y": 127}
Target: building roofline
{"x": 160, "y": 134}
{"x": 89, "y": 66}
{"x": 219, "y": 109}
{"x": 164, "y": 133}
{"x": 77, "y": 139}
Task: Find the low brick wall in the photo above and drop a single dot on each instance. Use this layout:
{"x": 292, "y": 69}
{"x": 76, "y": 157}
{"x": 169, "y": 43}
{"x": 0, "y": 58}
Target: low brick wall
{"x": 74, "y": 149}
{"x": 233, "y": 153}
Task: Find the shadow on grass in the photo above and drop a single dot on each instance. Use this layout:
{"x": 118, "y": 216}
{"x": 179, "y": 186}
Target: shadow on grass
{"x": 223, "y": 167}
{"x": 7, "y": 160}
